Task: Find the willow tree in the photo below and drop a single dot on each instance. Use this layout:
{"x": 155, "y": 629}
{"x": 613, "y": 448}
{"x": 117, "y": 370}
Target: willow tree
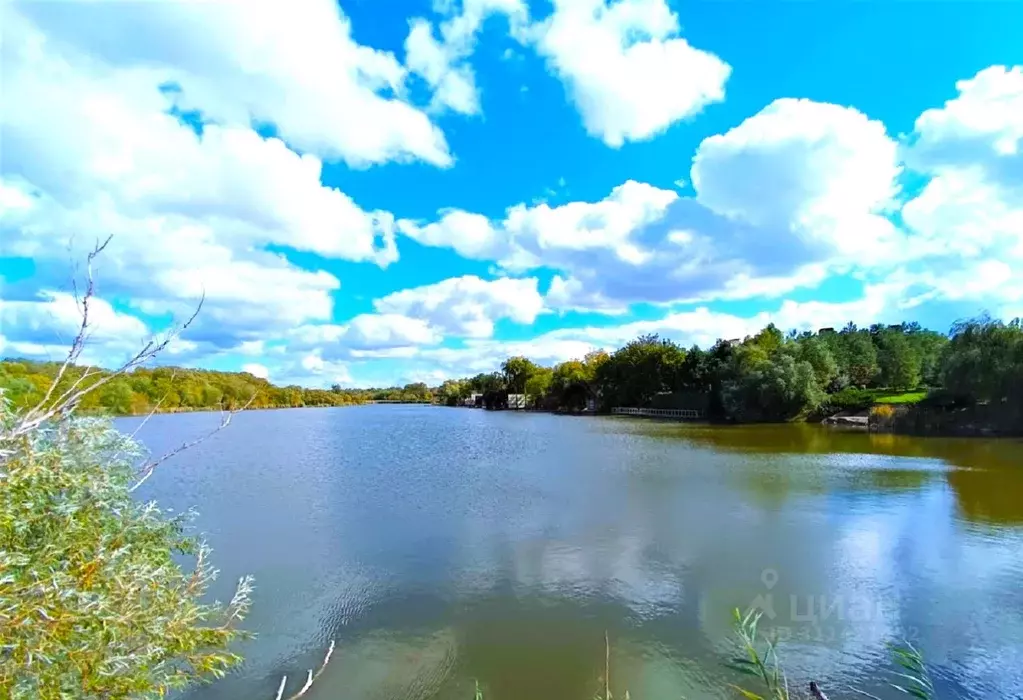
{"x": 93, "y": 602}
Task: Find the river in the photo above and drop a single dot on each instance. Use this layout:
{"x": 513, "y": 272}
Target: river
{"x": 441, "y": 546}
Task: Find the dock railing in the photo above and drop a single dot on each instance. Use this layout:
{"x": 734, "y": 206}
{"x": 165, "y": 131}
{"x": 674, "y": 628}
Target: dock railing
{"x": 676, "y": 413}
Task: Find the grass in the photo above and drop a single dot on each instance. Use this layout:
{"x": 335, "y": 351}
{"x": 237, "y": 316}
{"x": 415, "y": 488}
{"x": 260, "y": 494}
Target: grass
{"x": 905, "y": 397}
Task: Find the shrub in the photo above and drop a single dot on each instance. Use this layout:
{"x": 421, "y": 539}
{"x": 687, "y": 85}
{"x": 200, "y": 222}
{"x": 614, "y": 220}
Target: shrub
{"x": 851, "y": 399}
{"x": 882, "y": 412}
{"x": 92, "y": 601}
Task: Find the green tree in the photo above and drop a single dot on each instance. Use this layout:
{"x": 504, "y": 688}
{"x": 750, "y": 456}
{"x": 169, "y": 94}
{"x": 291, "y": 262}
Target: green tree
{"x": 778, "y": 389}
{"x": 570, "y": 384}
{"x": 639, "y": 370}
{"x": 983, "y": 361}
{"x": 814, "y": 351}
{"x": 858, "y": 358}
{"x": 517, "y": 371}
{"x": 929, "y": 347}
{"x": 538, "y": 384}
{"x": 117, "y": 396}
{"x": 898, "y": 360}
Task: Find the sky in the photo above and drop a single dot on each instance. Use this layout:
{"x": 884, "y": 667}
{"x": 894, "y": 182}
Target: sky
{"x": 379, "y": 192}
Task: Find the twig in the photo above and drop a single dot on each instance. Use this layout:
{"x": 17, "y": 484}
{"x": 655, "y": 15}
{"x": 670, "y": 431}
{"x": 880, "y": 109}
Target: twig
{"x": 310, "y": 679}
{"x": 147, "y": 469}
{"x": 78, "y": 344}
{"x": 156, "y": 407}
{"x": 66, "y": 402}
{"x": 607, "y": 667}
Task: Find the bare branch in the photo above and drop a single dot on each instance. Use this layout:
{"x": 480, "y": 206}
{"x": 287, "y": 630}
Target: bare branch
{"x": 607, "y": 667}
{"x": 147, "y": 469}
{"x": 156, "y": 407}
{"x": 78, "y": 344}
{"x": 67, "y": 401}
{"x": 310, "y": 678}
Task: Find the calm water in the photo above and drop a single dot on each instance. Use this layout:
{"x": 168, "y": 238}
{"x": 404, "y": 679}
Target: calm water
{"x": 439, "y": 546}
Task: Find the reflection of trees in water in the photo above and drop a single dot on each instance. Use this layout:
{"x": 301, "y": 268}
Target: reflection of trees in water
{"x": 991, "y": 489}
{"x": 987, "y": 474}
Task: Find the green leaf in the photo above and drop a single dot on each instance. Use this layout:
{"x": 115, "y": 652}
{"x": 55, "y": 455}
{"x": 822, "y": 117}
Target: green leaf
{"x": 747, "y": 669}
{"x": 748, "y": 694}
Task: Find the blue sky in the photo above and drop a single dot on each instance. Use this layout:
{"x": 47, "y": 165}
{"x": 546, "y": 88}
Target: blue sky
{"x": 381, "y": 192}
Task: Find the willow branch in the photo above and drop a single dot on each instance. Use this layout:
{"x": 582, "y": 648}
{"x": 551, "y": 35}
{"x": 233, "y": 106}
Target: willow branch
{"x": 147, "y": 468}
{"x": 310, "y": 679}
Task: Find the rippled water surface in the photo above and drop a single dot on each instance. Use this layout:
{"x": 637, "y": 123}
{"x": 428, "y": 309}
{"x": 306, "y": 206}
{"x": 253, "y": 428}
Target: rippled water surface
{"x": 443, "y": 546}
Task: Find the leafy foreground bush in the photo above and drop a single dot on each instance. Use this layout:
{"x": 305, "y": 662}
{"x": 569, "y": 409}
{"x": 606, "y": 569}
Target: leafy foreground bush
{"x": 92, "y": 601}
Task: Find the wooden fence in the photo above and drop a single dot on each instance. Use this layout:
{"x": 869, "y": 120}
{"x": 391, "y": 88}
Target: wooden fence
{"x": 675, "y": 413}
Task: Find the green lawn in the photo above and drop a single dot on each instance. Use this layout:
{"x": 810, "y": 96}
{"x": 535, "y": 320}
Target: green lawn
{"x": 894, "y": 397}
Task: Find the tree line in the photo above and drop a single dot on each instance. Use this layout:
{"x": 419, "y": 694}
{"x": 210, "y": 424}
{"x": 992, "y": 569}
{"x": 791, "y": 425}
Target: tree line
{"x": 767, "y": 376}
{"x": 166, "y": 389}
{"x": 771, "y": 375}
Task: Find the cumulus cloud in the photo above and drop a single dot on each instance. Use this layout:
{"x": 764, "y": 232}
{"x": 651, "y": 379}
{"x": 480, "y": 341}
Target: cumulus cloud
{"x": 442, "y": 62}
{"x": 468, "y": 305}
{"x": 626, "y": 68}
{"x": 470, "y": 235}
{"x": 967, "y": 222}
{"x": 256, "y": 370}
{"x": 886, "y": 302}
{"x": 151, "y": 122}
{"x": 94, "y": 145}
{"x": 972, "y": 149}
{"x": 795, "y": 190}
{"x": 44, "y": 327}
{"x": 237, "y": 62}
{"x": 312, "y": 370}
{"x": 822, "y": 172}
{"x": 366, "y": 335}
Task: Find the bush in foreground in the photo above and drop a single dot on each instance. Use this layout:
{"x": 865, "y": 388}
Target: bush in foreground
{"x": 92, "y": 601}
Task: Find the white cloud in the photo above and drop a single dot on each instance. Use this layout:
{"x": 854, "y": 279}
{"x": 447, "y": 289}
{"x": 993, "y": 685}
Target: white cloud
{"x": 256, "y": 370}
{"x": 571, "y": 295}
{"x": 90, "y": 150}
{"x": 972, "y": 149}
{"x": 443, "y": 62}
{"x": 887, "y": 302}
{"x": 581, "y": 226}
{"x": 387, "y": 331}
{"x": 789, "y": 195}
{"x": 967, "y": 222}
{"x": 311, "y": 370}
{"x": 44, "y": 328}
{"x": 366, "y": 335}
{"x": 467, "y": 305}
{"x": 825, "y": 173}
{"x": 470, "y": 235}
{"x": 984, "y": 124}
{"x": 239, "y": 62}
{"x": 626, "y": 69}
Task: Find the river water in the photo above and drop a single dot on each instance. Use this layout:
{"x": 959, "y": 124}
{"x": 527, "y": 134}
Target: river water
{"x": 442, "y": 546}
